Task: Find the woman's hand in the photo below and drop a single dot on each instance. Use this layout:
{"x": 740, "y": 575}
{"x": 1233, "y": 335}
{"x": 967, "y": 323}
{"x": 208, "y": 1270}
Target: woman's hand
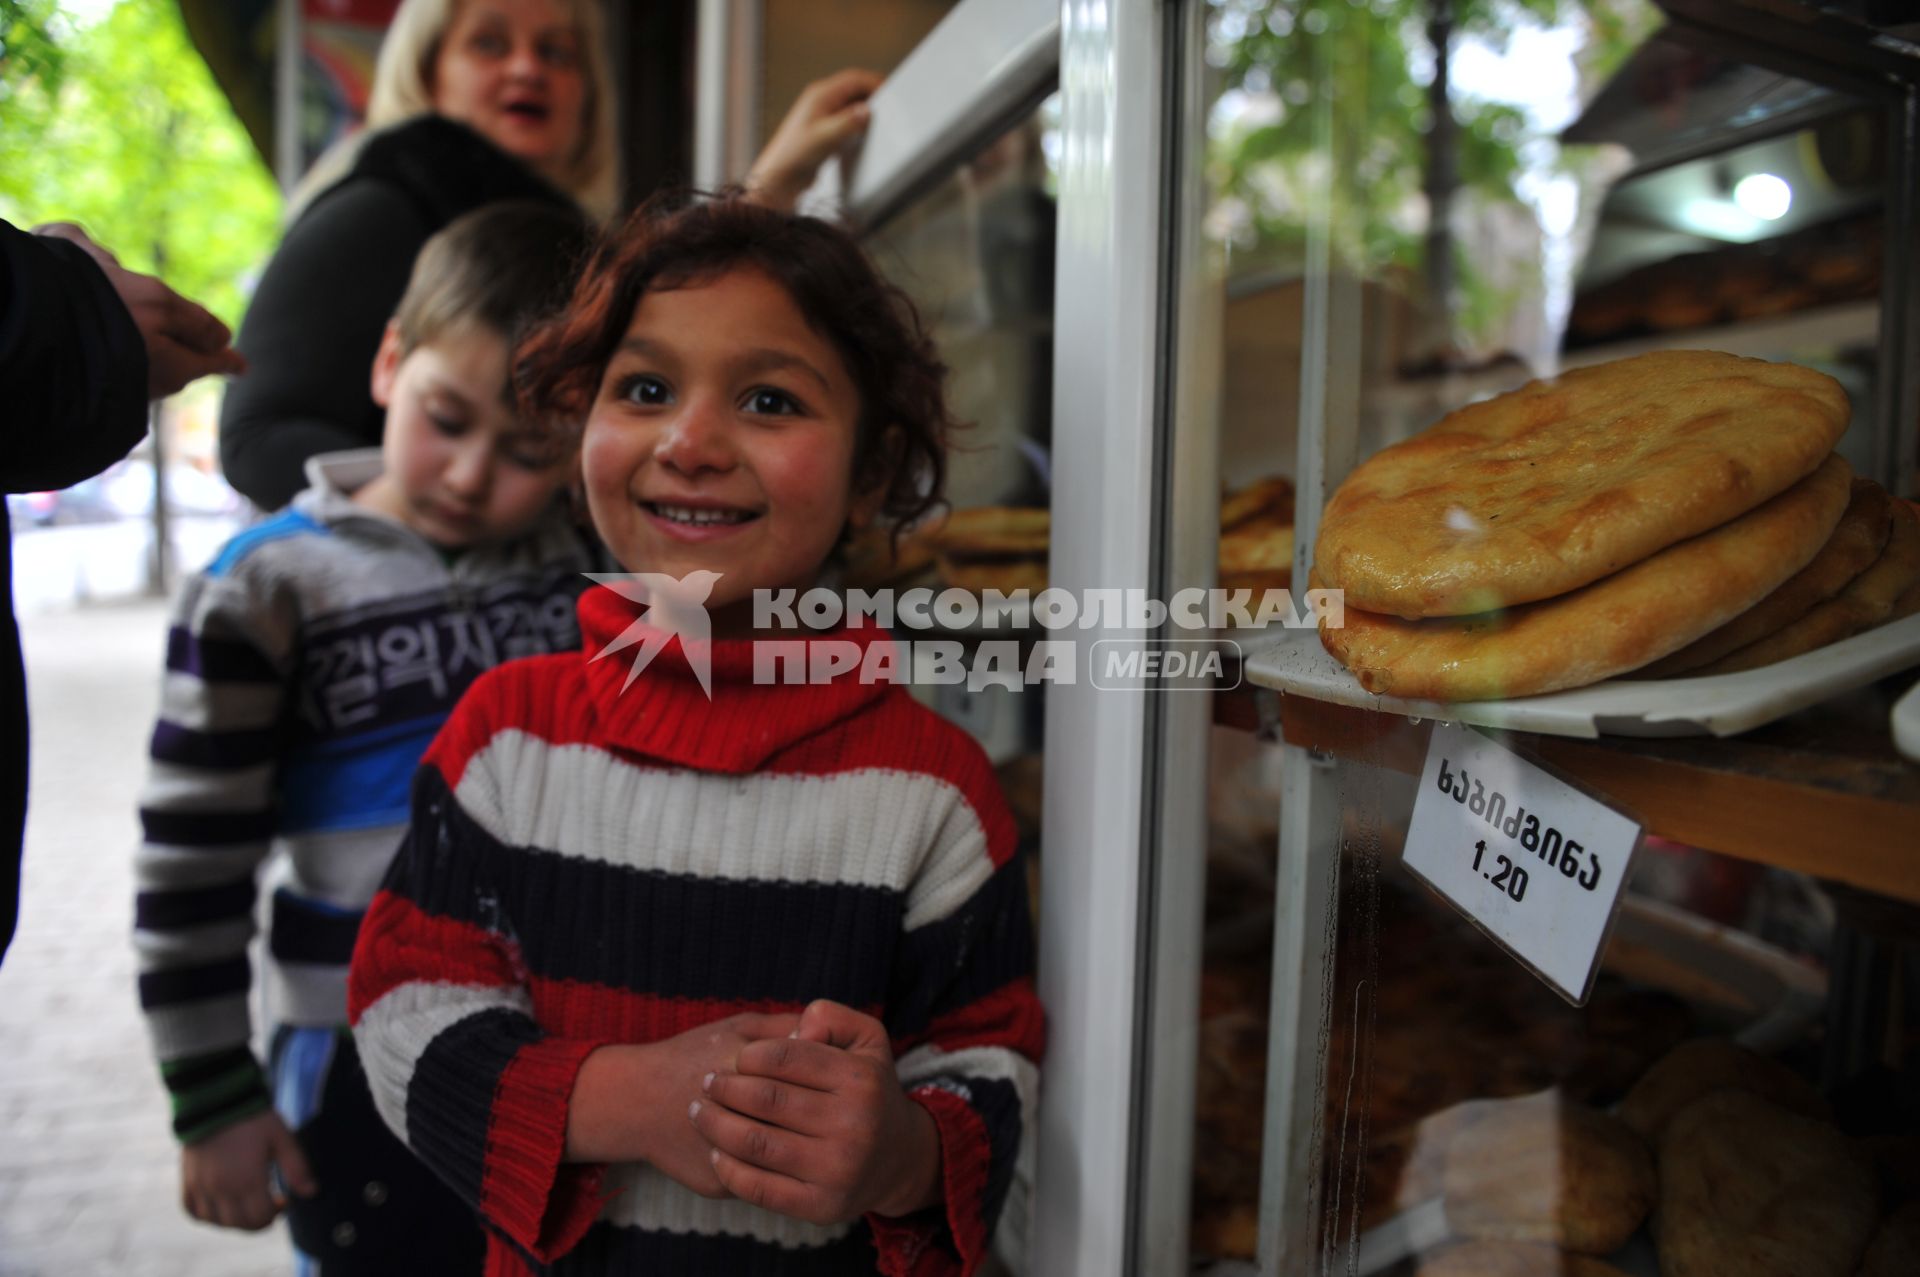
{"x": 828, "y": 114}
{"x": 184, "y": 340}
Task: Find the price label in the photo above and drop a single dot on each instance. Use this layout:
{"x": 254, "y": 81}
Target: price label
{"x": 1535, "y": 863}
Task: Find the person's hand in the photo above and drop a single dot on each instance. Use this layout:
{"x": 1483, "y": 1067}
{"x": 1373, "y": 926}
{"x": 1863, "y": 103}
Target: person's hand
{"x": 184, "y": 340}
{"x": 827, "y": 115}
{"x": 817, "y": 1127}
{"x": 224, "y": 1177}
{"x": 630, "y": 1102}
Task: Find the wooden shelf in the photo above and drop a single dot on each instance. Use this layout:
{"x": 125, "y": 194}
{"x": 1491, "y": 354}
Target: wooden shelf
{"x": 1821, "y": 792}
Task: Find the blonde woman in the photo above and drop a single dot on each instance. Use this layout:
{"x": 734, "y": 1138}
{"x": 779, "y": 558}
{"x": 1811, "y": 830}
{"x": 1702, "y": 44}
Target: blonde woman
{"x": 473, "y": 101}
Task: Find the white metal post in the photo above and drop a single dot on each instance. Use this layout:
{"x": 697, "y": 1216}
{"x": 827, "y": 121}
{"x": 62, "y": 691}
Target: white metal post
{"x": 726, "y": 120}
{"x": 289, "y": 159}
{"x": 1108, "y": 387}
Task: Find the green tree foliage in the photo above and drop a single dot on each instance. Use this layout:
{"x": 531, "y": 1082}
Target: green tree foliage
{"x": 1343, "y": 125}
{"x": 116, "y": 124}
{"x": 27, "y": 50}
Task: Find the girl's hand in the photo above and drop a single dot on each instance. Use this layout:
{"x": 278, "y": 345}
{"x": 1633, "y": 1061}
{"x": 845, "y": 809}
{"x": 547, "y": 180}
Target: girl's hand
{"x": 224, "y": 1177}
{"x": 827, "y": 115}
{"x": 817, "y": 1127}
{"x": 630, "y": 1102}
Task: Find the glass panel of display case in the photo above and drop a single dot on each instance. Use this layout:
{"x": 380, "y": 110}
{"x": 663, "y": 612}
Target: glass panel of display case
{"x": 1412, "y": 207}
{"x": 975, "y": 256}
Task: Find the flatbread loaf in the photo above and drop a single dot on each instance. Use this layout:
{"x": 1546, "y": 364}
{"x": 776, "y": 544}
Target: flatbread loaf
{"x": 996, "y": 530}
{"x": 1704, "y": 1065}
{"x": 1256, "y": 547}
{"x": 1267, "y": 500}
{"x": 1750, "y": 1190}
{"x": 1872, "y": 598}
{"x": 1542, "y": 1170}
{"x": 1563, "y": 482}
{"x": 1511, "y": 1259}
{"x": 1610, "y": 627}
{"x": 1851, "y": 550}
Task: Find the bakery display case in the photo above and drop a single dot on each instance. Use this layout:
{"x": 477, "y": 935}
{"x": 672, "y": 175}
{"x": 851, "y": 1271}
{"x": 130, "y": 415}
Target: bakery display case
{"x": 1184, "y": 257}
{"x": 1434, "y": 1099}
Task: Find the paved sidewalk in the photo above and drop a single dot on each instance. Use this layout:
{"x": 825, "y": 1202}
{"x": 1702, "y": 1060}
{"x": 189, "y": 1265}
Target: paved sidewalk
{"x": 88, "y": 1171}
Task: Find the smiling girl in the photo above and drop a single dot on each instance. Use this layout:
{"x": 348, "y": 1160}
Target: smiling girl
{"x": 741, "y": 983}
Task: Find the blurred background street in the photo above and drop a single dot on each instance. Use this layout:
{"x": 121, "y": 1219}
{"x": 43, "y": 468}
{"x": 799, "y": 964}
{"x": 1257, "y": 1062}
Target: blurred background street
{"x": 89, "y": 1179}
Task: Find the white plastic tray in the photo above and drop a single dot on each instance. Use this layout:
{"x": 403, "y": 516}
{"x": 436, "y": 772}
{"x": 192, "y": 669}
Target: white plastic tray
{"x": 1723, "y": 705}
{"x": 1906, "y": 723}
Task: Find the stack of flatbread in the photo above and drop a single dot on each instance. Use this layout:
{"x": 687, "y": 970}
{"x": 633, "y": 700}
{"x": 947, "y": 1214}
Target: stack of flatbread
{"x": 1256, "y": 537}
{"x": 1005, "y": 547}
{"x": 994, "y": 548}
{"x": 1681, "y": 504}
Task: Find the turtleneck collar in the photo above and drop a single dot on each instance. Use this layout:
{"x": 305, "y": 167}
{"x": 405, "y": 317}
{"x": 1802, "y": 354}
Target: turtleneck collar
{"x": 667, "y": 715}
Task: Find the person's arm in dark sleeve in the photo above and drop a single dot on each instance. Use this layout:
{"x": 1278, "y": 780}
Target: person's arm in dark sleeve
{"x": 73, "y": 366}
{"x": 310, "y": 335}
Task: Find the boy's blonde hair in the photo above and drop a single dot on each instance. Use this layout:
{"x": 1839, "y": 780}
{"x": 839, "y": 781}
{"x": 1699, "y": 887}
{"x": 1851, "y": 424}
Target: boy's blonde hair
{"x": 402, "y": 89}
{"x": 502, "y": 268}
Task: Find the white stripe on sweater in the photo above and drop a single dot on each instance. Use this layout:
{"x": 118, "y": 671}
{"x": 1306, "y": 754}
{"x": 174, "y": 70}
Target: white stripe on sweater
{"x": 207, "y": 705}
{"x": 896, "y": 830}
{"x": 173, "y": 788}
{"x": 341, "y": 867}
{"x": 396, "y": 1030}
{"x": 645, "y": 1198}
{"x": 162, "y": 950}
{"x": 159, "y": 866}
{"x": 311, "y": 994}
{"x": 928, "y": 1063}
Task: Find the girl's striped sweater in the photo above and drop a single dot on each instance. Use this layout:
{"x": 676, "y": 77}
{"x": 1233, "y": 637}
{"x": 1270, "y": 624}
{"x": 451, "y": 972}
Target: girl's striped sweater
{"x": 591, "y": 865}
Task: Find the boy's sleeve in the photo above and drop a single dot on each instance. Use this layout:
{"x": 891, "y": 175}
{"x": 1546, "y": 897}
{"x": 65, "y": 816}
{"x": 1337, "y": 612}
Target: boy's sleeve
{"x": 460, "y": 1069}
{"x": 968, "y": 1029}
{"x": 206, "y": 817}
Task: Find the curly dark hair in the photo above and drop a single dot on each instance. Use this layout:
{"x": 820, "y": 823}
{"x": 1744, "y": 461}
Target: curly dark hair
{"x": 670, "y": 243}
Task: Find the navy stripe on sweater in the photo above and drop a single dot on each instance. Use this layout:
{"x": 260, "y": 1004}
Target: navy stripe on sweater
{"x": 173, "y": 985}
{"x": 219, "y": 751}
{"x": 307, "y": 931}
{"x": 172, "y": 910}
{"x": 217, "y": 660}
{"x": 450, "y": 1096}
{"x": 671, "y": 935}
{"x": 997, "y": 1104}
{"x": 202, "y": 829}
{"x": 994, "y": 941}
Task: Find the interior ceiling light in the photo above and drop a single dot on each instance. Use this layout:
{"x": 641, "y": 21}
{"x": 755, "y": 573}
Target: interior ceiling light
{"x": 1764, "y": 196}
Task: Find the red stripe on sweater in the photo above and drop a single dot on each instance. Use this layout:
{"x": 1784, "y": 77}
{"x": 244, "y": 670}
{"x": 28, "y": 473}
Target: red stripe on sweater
{"x": 400, "y": 943}
{"x": 525, "y": 1188}
{"x": 575, "y": 1009}
{"x": 1010, "y": 1016}
{"x": 966, "y": 1156}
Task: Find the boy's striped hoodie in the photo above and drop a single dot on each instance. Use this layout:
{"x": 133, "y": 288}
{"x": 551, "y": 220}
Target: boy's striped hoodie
{"x": 307, "y": 670}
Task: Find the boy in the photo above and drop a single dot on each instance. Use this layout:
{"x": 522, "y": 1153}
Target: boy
{"x": 307, "y": 670}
